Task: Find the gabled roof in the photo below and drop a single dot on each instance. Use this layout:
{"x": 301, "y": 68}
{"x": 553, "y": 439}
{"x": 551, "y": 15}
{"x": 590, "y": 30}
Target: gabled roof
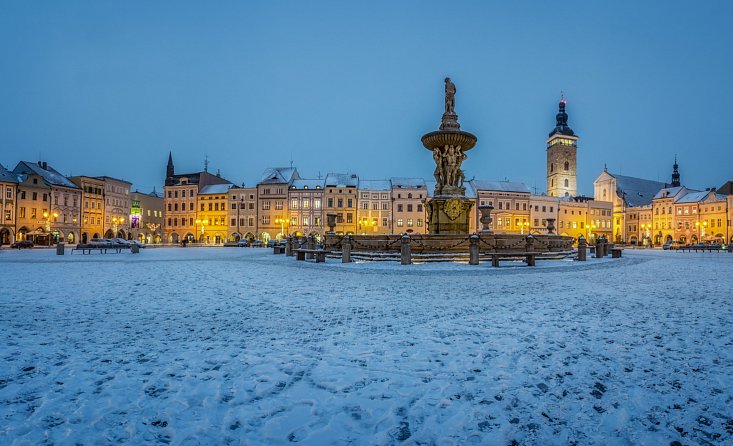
{"x": 670, "y": 192}
{"x": 408, "y": 182}
{"x": 7, "y": 176}
{"x": 279, "y": 175}
{"x": 727, "y": 188}
{"x": 503, "y": 186}
{"x": 215, "y": 189}
{"x": 342, "y": 180}
{"x": 50, "y": 176}
{"x": 105, "y": 178}
{"x": 375, "y": 185}
{"x": 637, "y": 191}
{"x": 307, "y": 184}
{"x": 699, "y": 196}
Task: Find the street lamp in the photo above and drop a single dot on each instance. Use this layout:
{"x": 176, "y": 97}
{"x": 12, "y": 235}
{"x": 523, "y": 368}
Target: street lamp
{"x": 203, "y": 223}
{"x": 115, "y": 222}
{"x": 153, "y": 227}
{"x": 523, "y": 225}
{"x": 592, "y": 228}
{"x": 47, "y": 215}
{"x": 281, "y": 220}
{"x": 704, "y": 227}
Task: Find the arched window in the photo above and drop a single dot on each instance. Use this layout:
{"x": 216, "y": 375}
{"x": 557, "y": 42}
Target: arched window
{"x": 552, "y": 182}
{"x": 409, "y": 195}
{"x": 567, "y": 165}
{"x": 552, "y": 167}
{"x": 566, "y": 183}
{"x": 604, "y": 193}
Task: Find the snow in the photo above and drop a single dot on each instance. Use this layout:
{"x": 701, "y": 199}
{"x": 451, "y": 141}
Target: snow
{"x": 238, "y": 346}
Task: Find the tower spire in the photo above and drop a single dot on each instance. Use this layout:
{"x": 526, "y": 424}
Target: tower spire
{"x": 675, "y": 173}
{"x": 170, "y": 170}
{"x": 561, "y": 119}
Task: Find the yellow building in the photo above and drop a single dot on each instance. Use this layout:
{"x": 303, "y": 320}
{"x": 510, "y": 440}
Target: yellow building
{"x": 212, "y": 214}
{"x": 341, "y": 198}
{"x": 664, "y": 217}
{"x": 541, "y": 209}
{"x": 584, "y": 216}
{"x": 92, "y": 213}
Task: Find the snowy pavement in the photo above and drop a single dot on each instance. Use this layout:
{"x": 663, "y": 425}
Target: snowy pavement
{"x": 237, "y": 346}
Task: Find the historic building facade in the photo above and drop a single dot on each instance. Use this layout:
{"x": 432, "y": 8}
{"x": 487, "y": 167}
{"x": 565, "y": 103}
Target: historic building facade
{"x": 8, "y": 190}
{"x": 213, "y": 212}
{"x": 272, "y": 197}
{"x": 341, "y": 198}
{"x": 49, "y": 205}
{"x": 242, "y": 213}
{"x": 408, "y": 206}
{"x": 541, "y": 209}
{"x": 116, "y": 207}
{"x": 374, "y": 213}
{"x": 510, "y": 200}
{"x": 147, "y": 222}
{"x": 305, "y": 208}
{"x": 92, "y": 213}
{"x": 180, "y": 195}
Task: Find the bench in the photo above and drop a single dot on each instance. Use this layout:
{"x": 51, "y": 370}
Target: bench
{"x": 89, "y": 249}
{"x": 278, "y": 249}
{"x": 319, "y": 254}
{"x": 529, "y": 257}
{"x": 616, "y": 253}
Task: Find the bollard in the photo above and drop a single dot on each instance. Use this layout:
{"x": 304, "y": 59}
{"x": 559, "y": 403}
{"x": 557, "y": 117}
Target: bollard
{"x": 530, "y": 248}
{"x": 582, "y": 248}
{"x": 605, "y": 246}
{"x": 730, "y": 247}
{"x": 310, "y": 244}
{"x": 134, "y": 249}
{"x": 60, "y": 249}
{"x": 406, "y": 250}
{"x": 599, "y": 248}
{"x": 289, "y": 246}
{"x": 473, "y": 250}
{"x": 346, "y": 250}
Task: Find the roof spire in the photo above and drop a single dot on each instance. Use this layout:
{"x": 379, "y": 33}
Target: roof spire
{"x": 206, "y": 163}
{"x": 675, "y": 173}
{"x": 561, "y": 119}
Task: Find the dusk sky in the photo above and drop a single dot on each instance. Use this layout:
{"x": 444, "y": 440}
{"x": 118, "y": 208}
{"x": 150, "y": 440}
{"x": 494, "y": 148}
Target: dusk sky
{"x": 108, "y": 88}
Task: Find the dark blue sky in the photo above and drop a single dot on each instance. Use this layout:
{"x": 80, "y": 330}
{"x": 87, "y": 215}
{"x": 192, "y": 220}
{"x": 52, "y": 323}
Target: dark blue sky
{"x": 108, "y": 88}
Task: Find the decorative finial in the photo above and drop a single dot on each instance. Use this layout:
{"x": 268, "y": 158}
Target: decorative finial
{"x": 562, "y": 96}
{"x": 206, "y": 163}
{"x": 605, "y": 169}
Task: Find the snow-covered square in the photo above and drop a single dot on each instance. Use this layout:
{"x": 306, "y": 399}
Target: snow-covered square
{"x": 238, "y": 346}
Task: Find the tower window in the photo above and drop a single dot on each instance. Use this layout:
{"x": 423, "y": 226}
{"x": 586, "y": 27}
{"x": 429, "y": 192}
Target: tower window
{"x": 552, "y": 167}
{"x": 566, "y": 182}
{"x": 567, "y": 165}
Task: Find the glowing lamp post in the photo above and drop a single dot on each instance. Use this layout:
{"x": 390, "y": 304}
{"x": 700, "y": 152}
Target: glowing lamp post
{"x": 203, "y": 223}
{"x": 282, "y": 227}
{"x": 47, "y": 215}
{"x": 523, "y": 225}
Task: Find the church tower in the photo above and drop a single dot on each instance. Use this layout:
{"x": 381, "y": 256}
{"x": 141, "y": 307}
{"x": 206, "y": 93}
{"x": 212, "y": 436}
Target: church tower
{"x": 562, "y": 177}
{"x": 169, "y": 171}
{"x": 675, "y": 174}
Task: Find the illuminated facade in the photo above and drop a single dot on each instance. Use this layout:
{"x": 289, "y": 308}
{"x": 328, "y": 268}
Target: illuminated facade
{"x": 542, "y": 208}
{"x": 49, "y": 205}
{"x": 242, "y": 213}
{"x": 510, "y": 200}
{"x": 180, "y": 195}
{"x": 92, "y": 213}
{"x": 341, "y": 198}
{"x": 272, "y": 197}
{"x": 374, "y": 213}
{"x": 305, "y": 208}
{"x": 408, "y": 206}
{"x": 212, "y": 214}
{"x": 562, "y": 177}
{"x": 8, "y": 190}
{"x": 116, "y": 208}
{"x": 147, "y": 222}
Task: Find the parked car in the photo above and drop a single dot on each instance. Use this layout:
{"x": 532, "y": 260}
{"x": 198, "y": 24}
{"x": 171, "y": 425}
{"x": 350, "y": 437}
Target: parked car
{"x": 122, "y": 241}
{"x": 22, "y": 244}
{"x": 243, "y": 244}
{"x": 667, "y": 245}
{"x": 257, "y": 244}
{"x": 137, "y": 243}
{"x": 271, "y": 243}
